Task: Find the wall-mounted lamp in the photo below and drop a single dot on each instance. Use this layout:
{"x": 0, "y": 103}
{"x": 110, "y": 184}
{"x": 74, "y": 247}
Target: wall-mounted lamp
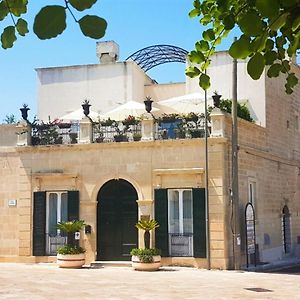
{"x": 88, "y": 229}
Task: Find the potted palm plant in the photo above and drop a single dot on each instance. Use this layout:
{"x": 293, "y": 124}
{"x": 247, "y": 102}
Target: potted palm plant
{"x": 146, "y": 259}
{"x": 71, "y": 255}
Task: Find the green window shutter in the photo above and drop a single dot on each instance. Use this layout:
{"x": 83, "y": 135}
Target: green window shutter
{"x": 161, "y": 216}
{"x": 73, "y": 205}
{"x": 39, "y": 223}
{"x": 199, "y": 223}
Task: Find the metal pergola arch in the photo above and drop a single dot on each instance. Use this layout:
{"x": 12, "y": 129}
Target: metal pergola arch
{"x": 152, "y": 56}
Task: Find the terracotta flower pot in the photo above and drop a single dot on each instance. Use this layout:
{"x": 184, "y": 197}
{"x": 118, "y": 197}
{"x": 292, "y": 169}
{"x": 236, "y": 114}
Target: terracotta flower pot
{"x": 138, "y": 265}
{"x": 70, "y": 260}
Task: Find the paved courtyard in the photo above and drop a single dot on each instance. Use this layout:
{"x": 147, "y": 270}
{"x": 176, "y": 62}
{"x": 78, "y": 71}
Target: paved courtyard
{"x": 46, "y": 281}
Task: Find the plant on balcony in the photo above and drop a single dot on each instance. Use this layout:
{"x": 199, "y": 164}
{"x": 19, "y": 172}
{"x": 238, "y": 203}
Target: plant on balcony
{"x": 71, "y": 255}
{"x": 130, "y": 120}
{"x": 190, "y": 117}
{"x": 120, "y": 135}
{"x": 73, "y": 137}
{"x": 98, "y": 132}
{"x": 168, "y": 118}
{"x": 146, "y": 259}
{"x": 137, "y": 137}
{"x": 46, "y": 134}
{"x": 108, "y": 122}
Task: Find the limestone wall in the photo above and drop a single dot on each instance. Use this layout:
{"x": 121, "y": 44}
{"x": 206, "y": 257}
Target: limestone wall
{"x": 146, "y": 165}
{"x": 8, "y": 136}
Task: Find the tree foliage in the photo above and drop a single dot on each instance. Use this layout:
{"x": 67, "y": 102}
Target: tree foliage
{"x": 270, "y": 34}
{"x": 49, "y": 22}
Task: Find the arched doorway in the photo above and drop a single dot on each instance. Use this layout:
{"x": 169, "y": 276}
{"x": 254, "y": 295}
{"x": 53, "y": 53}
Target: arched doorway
{"x": 117, "y": 213}
{"x": 286, "y": 230}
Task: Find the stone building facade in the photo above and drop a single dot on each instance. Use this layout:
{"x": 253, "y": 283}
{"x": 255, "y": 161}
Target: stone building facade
{"x": 113, "y": 185}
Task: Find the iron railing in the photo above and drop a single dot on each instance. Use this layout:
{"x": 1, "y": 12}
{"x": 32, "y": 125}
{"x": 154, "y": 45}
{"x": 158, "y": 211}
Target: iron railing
{"x": 53, "y": 242}
{"x": 181, "y": 244}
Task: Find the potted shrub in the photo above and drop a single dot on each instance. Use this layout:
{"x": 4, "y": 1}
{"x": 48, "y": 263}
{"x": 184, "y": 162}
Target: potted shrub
{"x": 71, "y": 255}
{"x": 197, "y": 132}
{"x": 137, "y": 137}
{"x": 73, "y": 137}
{"x": 146, "y": 259}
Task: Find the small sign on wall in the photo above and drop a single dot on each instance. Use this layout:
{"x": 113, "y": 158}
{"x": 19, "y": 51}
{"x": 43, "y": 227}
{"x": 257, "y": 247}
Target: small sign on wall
{"x": 12, "y": 202}
{"x": 77, "y": 235}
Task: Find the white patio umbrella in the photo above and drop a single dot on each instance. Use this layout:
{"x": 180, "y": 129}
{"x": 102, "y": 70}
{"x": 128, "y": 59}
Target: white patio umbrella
{"x": 187, "y": 103}
{"x": 78, "y": 114}
{"x": 130, "y": 108}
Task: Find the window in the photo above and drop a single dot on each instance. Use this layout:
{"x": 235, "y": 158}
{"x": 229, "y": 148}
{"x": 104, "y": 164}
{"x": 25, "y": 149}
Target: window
{"x": 48, "y": 209}
{"x": 180, "y": 222}
{"x": 56, "y": 211}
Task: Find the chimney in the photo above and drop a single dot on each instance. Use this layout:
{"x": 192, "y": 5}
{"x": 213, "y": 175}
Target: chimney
{"x": 108, "y": 52}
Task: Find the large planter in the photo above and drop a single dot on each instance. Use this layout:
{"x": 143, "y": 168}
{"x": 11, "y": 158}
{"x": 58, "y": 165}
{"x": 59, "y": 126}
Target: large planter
{"x": 70, "y": 260}
{"x": 138, "y": 265}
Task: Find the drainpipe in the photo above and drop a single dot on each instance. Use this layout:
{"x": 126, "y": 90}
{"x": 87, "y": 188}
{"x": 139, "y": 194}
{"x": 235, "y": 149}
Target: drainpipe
{"x": 235, "y": 182}
{"x": 206, "y": 185}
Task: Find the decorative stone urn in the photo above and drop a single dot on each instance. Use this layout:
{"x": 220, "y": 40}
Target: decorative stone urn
{"x": 70, "y": 260}
{"x": 138, "y": 265}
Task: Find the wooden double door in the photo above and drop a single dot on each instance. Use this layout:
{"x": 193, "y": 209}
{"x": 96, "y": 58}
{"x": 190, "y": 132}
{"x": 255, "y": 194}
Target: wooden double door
{"x": 117, "y": 214}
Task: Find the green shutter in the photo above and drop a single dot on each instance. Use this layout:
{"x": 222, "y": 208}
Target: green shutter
{"x": 199, "y": 223}
{"x": 39, "y": 223}
{"x": 161, "y": 216}
{"x": 73, "y": 205}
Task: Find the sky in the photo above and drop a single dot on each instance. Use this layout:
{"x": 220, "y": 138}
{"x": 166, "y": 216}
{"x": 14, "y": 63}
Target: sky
{"x": 133, "y": 24}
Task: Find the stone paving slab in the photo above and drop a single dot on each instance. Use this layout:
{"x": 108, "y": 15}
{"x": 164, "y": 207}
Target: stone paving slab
{"x": 47, "y": 281}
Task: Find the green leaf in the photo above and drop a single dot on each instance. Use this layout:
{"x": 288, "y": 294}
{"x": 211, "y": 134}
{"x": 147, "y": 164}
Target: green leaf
{"x": 240, "y": 48}
{"x": 294, "y": 45}
{"x": 289, "y": 3}
{"x": 268, "y": 8}
{"x": 259, "y": 43}
{"x": 18, "y": 7}
{"x": 256, "y": 66}
{"x": 208, "y": 35}
{"x": 288, "y": 89}
{"x": 270, "y": 57}
{"x": 82, "y": 5}
{"x": 22, "y": 27}
{"x": 3, "y": 10}
{"x": 274, "y": 70}
{"x": 292, "y": 80}
{"x": 192, "y": 72}
{"x": 204, "y": 81}
{"x": 202, "y": 46}
{"x": 205, "y": 20}
{"x": 251, "y": 24}
{"x": 196, "y": 57}
{"x": 229, "y": 22}
{"x": 196, "y": 4}
{"x": 285, "y": 66}
{"x": 269, "y": 45}
{"x": 194, "y": 13}
{"x": 296, "y": 23}
{"x": 50, "y": 22}
{"x": 205, "y": 65}
{"x": 8, "y": 37}
{"x": 92, "y": 26}
{"x": 277, "y": 22}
